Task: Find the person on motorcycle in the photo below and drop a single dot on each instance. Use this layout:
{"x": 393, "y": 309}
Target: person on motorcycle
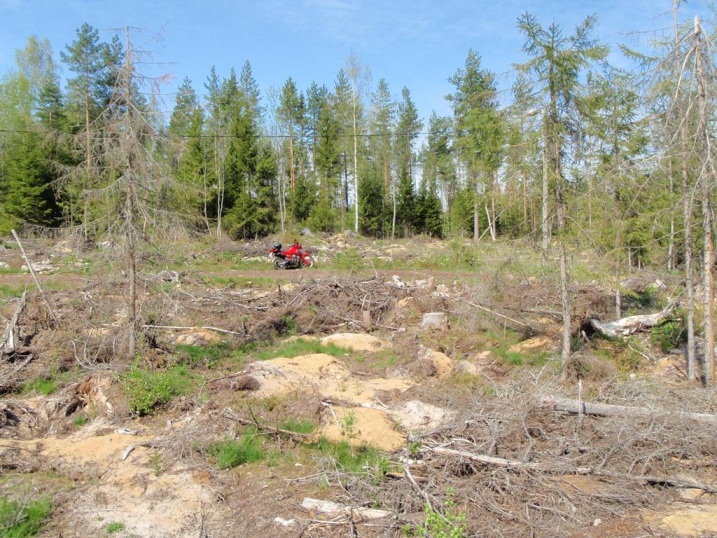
{"x": 295, "y": 250}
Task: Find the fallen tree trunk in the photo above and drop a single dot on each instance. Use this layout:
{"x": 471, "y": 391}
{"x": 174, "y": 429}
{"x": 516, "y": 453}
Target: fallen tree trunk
{"x": 682, "y": 482}
{"x": 591, "y": 408}
{"x": 630, "y": 324}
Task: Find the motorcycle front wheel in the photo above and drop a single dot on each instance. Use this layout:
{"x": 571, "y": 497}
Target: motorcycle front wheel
{"x": 278, "y": 264}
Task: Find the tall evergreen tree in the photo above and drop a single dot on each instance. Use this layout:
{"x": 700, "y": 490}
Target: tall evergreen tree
{"x": 557, "y": 62}
{"x": 407, "y": 131}
{"x": 479, "y": 132}
{"x": 188, "y": 155}
{"x": 291, "y": 114}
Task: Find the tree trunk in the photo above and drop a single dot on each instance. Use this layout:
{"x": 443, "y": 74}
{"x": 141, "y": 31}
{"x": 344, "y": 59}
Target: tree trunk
{"x": 545, "y": 194}
{"x": 565, "y": 300}
{"x": 606, "y": 410}
{"x": 706, "y": 182}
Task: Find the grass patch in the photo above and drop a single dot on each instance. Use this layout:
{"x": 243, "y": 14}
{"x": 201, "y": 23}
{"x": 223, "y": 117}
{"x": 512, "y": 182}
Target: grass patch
{"x": 10, "y": 292}
{"x": 302, "y": 346}
{"x": 349, "y": 260}
{"x": 41, "y": 385}
{"x": 234, "y": 452}
{"x": 298, "y": 426}
{"x": 20, "y": 520}
{"x": 209, "y": 356}
{"x": 113, "y": 527}
{"x": 515, "y": 358}
{"x": 148, "y": 389}
{"x": 350, "y": 458}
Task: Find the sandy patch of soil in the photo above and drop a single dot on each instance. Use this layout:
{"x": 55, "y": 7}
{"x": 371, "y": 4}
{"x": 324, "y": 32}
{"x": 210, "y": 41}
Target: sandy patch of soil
{"x": 359, "y": 425}
{"x": 686, "y": 520}
{"x": 356, "y": 341}
{"x": 322, "y": 374}
{"x": 134, "y": 491}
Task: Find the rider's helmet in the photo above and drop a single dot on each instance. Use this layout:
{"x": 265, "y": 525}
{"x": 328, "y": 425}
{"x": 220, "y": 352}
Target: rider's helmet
{"x": 276, "y": 246}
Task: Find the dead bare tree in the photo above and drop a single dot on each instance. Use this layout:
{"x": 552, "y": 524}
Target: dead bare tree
{"x": 129, "y": 182}
{"x": 707, "y": 174}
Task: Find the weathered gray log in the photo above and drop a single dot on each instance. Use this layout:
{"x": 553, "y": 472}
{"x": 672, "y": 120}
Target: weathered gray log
{"x": 9, "y": 339}
{"x": 631, "y": 324}
{"x": 607, "y": 410}
{"x": 677, "y": 482}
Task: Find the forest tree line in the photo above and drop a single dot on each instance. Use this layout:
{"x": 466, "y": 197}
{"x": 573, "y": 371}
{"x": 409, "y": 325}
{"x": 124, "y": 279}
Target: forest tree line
{"x": 579, "y": 149}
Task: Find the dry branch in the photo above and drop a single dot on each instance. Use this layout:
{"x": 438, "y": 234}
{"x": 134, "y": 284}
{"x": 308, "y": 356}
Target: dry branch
{"x": 299, "y": 437}
{"x": 600, "y": 409}
{"x": 187, "y": 328}
{"x": 34, "y": 277}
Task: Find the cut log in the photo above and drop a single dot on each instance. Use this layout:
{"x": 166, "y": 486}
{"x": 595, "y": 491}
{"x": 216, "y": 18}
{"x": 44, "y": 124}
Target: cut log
{"x": 607, "y": 410}
{"x": 631, "y": 324}
{"x": 359, "y": 513}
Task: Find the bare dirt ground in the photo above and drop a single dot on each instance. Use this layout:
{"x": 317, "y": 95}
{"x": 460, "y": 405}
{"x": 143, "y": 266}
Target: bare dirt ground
{"x": 455, "y": 409}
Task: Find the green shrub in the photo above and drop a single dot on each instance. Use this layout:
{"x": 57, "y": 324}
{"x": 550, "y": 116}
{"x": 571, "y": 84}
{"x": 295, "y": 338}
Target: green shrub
{"x": 668, "y": 336}
{"x": 234, "y": 452}
{"x": 113, "y": 527}
{"x": 20, "y": 520}
{"x": 81, "y": 420}
{"x": 451, "y": 524}
{"x": 148, "y": 389}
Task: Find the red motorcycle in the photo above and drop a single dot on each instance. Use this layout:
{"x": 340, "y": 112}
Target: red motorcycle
{"x": 293, "y": 257}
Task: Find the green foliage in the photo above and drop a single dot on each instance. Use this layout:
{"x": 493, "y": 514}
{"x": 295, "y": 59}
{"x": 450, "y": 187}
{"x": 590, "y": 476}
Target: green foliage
{"x": 465, "y": 255}
{"x": 298, "y": 426}
{"x": 234, "y": 452}
{"x": 155, "y": 460}
{"x": 113, "y": 527}
{"x": 373, "y": 213}
{"x": 349, "y": 259}
{"x": 348, "y": 423}
{"x": 348, "y": 457}
{"x": 627, "y": 359}
{"x": 42, "y": 385}
{"x": 669, "y": 335}
{"x": 451, "y": 524}
{"x": 147, "y": 389}
{"x": 209, "y": 356}
{"x": 302, "y": 346}
{"x": 521, "y": 359}
{"x": 20, "y": 519}
{"x": 81, "y": 420}
{"x": 9, "y": 292}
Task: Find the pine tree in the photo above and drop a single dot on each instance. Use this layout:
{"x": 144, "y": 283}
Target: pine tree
{"x": 187, "y": 155}
{"x": 408, "y": 128}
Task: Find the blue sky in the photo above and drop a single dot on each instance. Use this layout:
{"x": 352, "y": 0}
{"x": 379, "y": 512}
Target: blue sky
{"x": 418, "y": 43}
